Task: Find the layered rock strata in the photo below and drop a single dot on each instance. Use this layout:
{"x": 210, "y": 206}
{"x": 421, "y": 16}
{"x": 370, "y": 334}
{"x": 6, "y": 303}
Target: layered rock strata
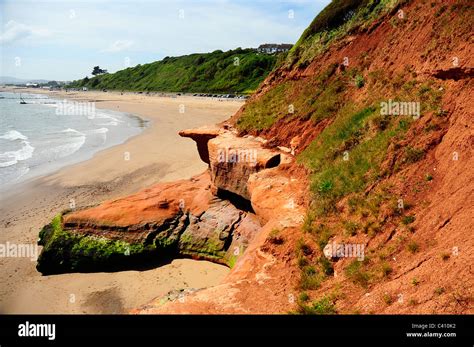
{"x": 193, "y": 218}
{"x": 165, "y": 221}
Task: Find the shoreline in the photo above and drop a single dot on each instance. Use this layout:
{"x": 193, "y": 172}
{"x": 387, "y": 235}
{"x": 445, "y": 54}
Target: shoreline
{"x": 69, "y": 161}
{"x": 131, "y": 103}
{"x": 157, "y": 154}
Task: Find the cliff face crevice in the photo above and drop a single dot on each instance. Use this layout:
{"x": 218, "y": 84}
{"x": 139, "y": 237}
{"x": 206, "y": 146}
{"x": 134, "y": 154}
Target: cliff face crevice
{"x": 238, "y": 201}
{"x": 455, "y": 73}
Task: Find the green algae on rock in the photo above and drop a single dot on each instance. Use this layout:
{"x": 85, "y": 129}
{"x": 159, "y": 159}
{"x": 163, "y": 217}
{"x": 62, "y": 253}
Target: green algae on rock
{"x": 99, "y": 239}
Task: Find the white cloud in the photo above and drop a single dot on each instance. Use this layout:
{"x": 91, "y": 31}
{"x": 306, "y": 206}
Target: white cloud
{"x": 118, "y": 46}
{"x": 15, "y": 31}
{"x": 100, "y": 35}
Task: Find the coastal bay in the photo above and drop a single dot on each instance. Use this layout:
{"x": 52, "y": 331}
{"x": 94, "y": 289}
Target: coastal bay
{"x": 158, "y": 154}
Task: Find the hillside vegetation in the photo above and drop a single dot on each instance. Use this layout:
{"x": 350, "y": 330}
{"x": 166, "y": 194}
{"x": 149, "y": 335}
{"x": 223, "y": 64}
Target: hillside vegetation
{"x": 235, "y": 71}
{"x": 377, "y": 179}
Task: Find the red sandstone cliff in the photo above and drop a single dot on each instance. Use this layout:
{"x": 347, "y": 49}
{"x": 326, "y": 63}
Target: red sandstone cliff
{"x": 418, "y": 255}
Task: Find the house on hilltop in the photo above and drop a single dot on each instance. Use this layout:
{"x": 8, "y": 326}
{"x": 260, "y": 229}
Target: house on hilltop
{"x": 271, "y": 48}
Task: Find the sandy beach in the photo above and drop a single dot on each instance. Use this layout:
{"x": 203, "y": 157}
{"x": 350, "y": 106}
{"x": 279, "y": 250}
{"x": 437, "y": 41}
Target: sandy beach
{"x": 157, "y": 154}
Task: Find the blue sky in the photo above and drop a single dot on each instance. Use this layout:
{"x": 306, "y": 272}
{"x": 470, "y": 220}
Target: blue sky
{"x": 63, "y": 40}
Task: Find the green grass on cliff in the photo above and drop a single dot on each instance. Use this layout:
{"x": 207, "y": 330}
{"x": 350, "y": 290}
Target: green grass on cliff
{"x": 316, "y": 97}
{"x": 323, "y": 306}
{"x": 235, "y": 71}
{"x": 333, "y": 22}
{"x": 347, "y": 155}
{"x": 356, "y": 149}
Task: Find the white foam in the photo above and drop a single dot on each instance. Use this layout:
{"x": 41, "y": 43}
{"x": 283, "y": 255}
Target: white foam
{"x": 7, "y": 163}
{"x": 69, "y": 130}
{"x": 100, "y": 131}
{"x": 13, "y": 157}
{"x": 73, "y": 144}
{"x": 54, "y": 105}
{"x": 113, "y": 120}
{"x": 13, "y": 135}
{"x": 112, "y": 123}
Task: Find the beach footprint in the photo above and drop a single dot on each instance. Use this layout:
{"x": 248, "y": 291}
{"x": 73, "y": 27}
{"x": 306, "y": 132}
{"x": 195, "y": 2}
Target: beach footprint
{"x": 107, "y": 301}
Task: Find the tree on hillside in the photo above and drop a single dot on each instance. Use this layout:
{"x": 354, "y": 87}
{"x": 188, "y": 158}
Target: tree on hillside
{"x": 98, "y": 71}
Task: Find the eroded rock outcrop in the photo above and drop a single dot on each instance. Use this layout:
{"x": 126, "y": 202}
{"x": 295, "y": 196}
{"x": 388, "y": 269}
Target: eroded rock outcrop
{"x": 167, "y": 220}
{"x": 263, "y": 278}
{"x": 233, "y": 159}
{"x": 202, "y": 136}
{"x": 224, "y": 215}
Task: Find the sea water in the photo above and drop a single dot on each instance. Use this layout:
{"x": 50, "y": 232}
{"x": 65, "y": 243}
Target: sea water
{"x": 46, "y": 134}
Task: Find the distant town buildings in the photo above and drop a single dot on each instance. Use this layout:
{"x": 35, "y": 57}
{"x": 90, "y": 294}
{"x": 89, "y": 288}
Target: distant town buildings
{"x": 271, "y": 48}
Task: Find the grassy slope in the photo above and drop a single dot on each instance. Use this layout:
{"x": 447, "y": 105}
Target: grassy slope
{"x": 235, "y": 71}
{"x": 314, "y": 97}
{"x": 348, "y": 156}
